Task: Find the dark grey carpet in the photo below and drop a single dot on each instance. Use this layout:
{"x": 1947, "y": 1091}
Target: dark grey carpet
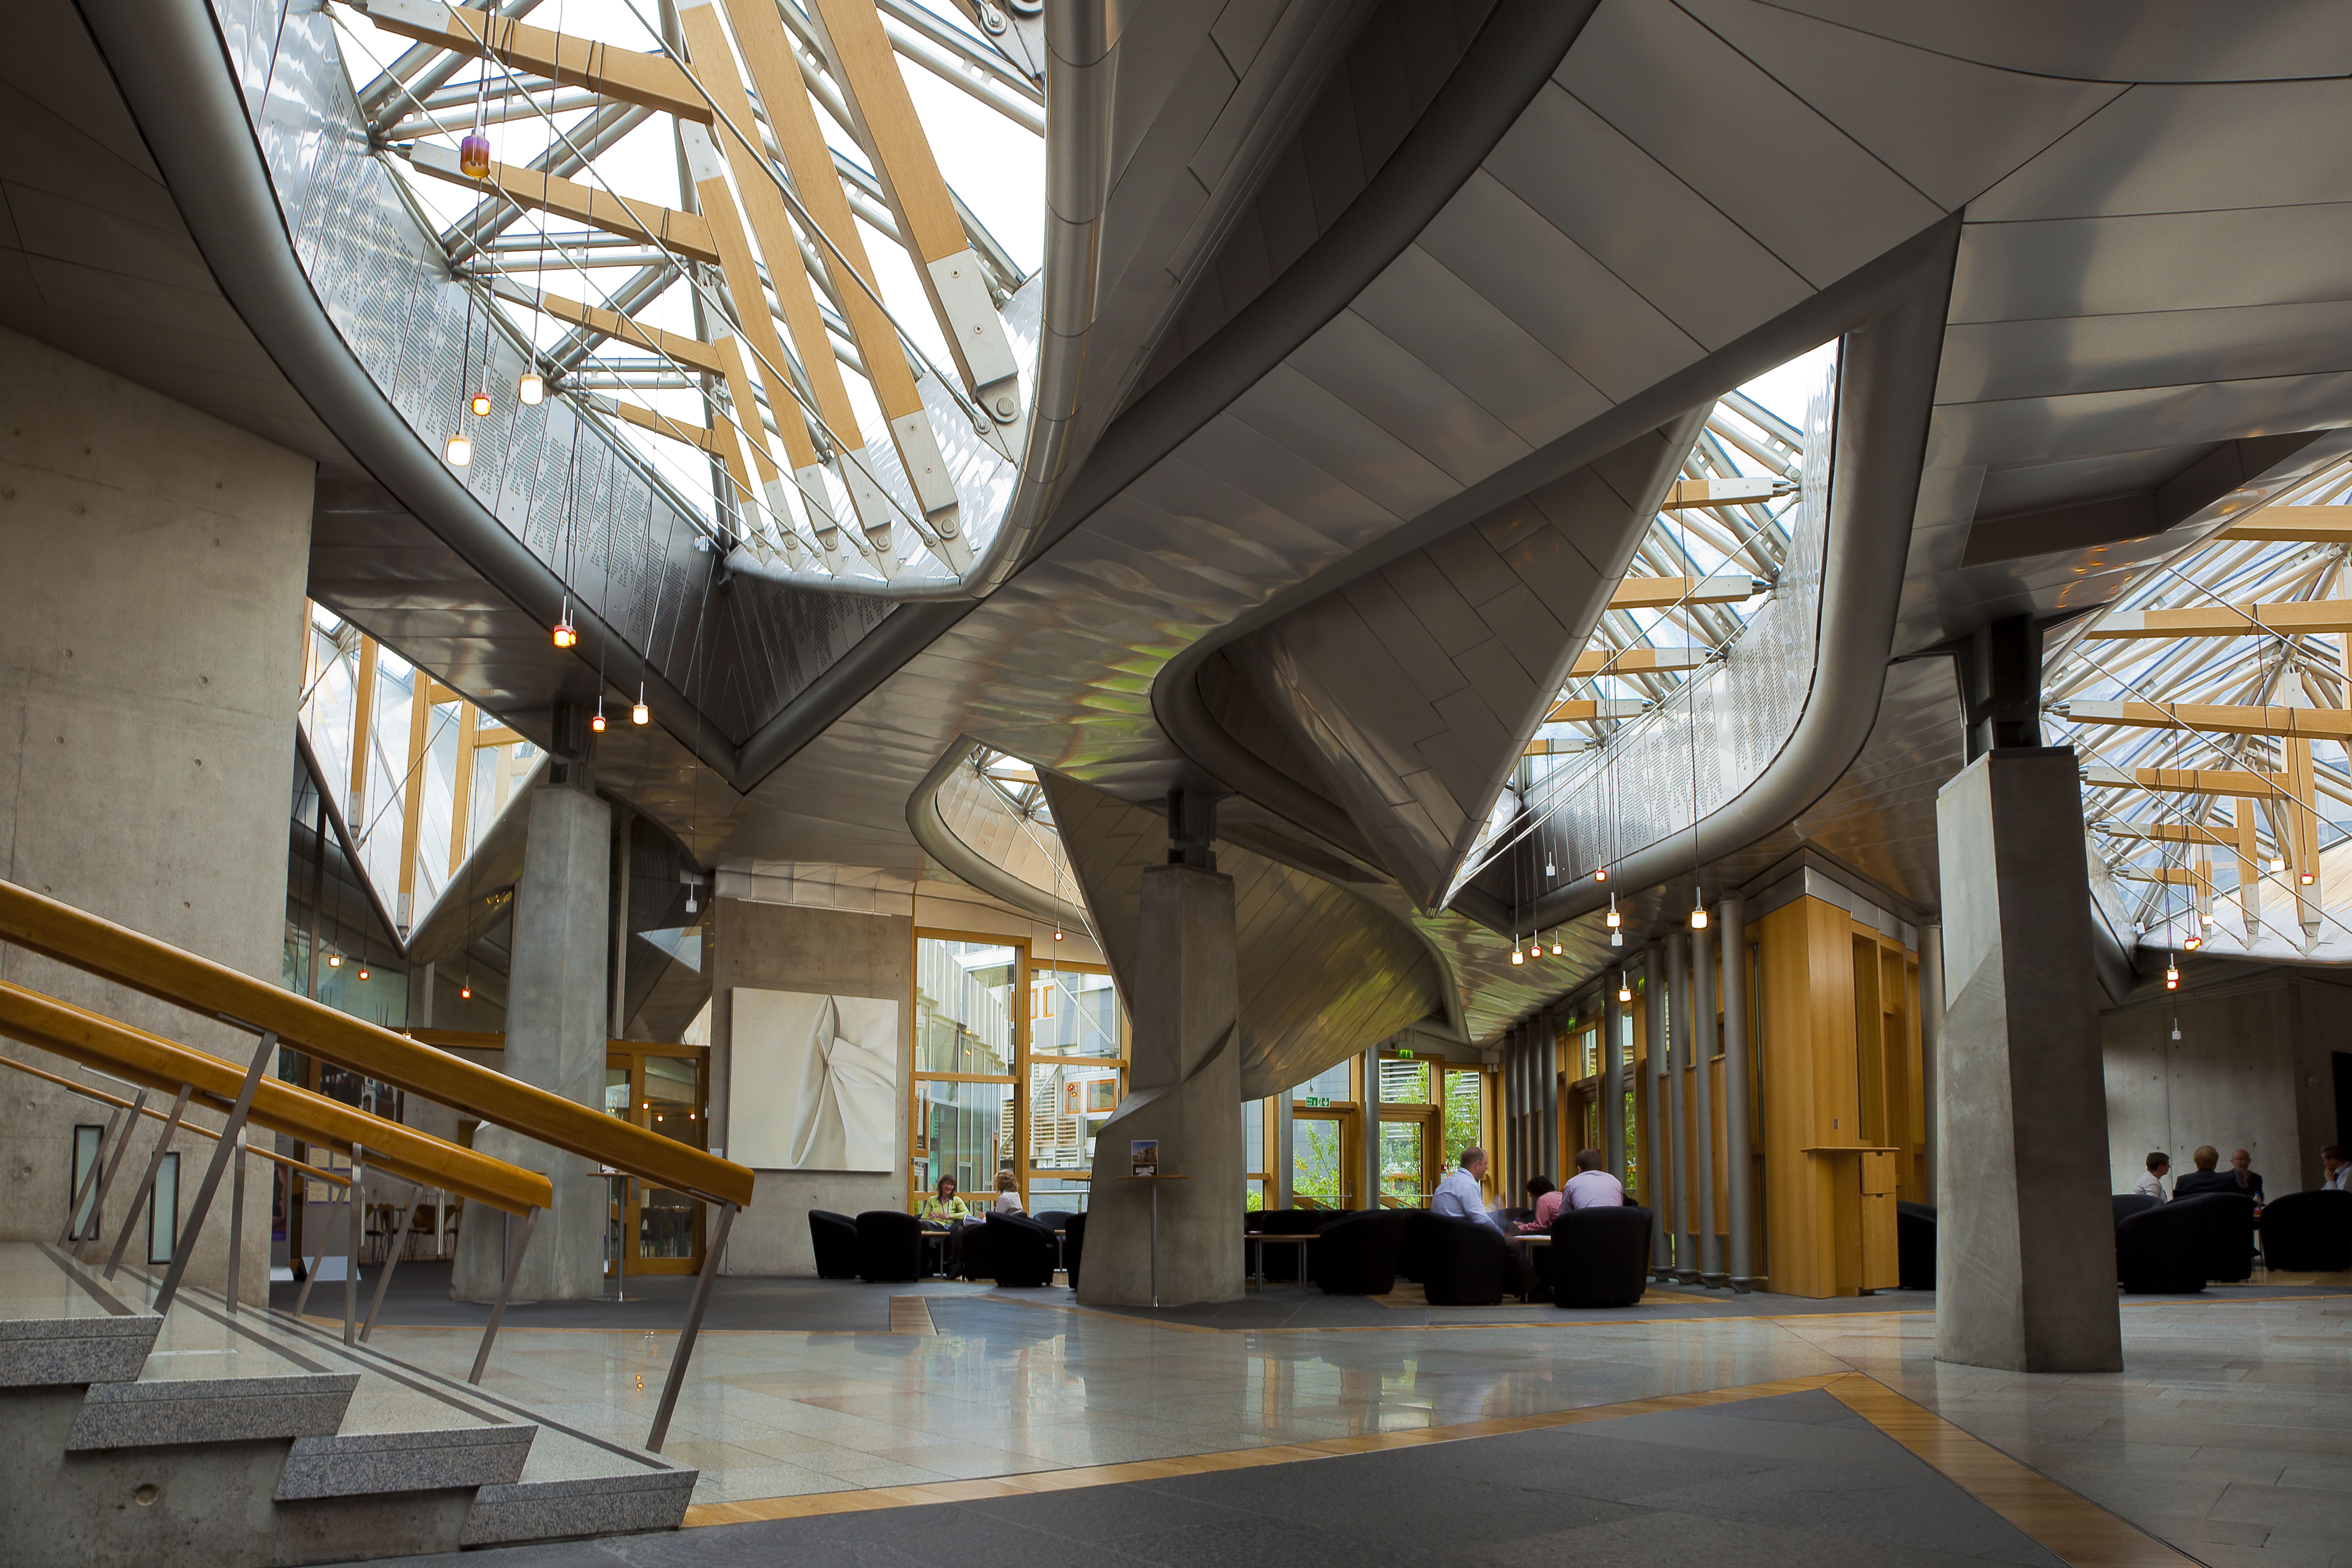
{"x": 1769, "y": 1482}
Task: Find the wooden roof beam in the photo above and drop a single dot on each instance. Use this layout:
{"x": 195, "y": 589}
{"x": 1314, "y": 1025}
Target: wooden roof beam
{"x": 648, "y": 79}
{"x": 2215, "y": 718}
{"x": 2295, "y": 524}
{"x": 1665, "y": 592}
{"x": 680, "y": 233}
{"x": 2296, "y": 615}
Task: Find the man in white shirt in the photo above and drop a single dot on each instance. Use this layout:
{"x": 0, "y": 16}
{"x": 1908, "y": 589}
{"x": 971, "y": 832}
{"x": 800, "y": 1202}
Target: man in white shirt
{"x": 1593, "y": 1188}
{"x": 2151, "y": 1182}
{"x": 2338, "y": 1178}
{"x": 1461, "y": 1194}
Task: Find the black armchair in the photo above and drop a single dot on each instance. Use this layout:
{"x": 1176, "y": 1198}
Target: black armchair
{"x": 1016, "y": 1249}
{"x": 1357, "y": 1255}
{"x": 834, "y": 1238}
{"x": 1599, "y": 1257}
{"x": 2168, "y": 1249}
{"x": 889, "y": 1246}
{"x": 1412, "y": 1248}
{"x": 1467, "y": 1264}
{"x": 2233, "y": 1259}
{"x": 2308, "y": 1231}
{"x": 1282, "y": 1262}
{"x": 1074, "y": 1246}
{"x": 1915, "y": 1246}
{"x": 2129, "y": 1203}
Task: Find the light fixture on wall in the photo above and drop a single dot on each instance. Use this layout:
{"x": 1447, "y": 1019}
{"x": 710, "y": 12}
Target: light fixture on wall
{"x": 532, "y": 390}
{"x": 457, "y": 451}
{"x": 639, "y": 713}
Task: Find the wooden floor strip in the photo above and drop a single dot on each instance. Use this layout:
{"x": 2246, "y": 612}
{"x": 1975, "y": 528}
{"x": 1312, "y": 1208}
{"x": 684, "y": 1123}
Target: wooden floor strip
{"x": 2078, "y": 1531}
{"x": 813, "y": 1503}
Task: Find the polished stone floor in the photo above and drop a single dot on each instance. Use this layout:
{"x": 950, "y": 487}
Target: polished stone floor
{"x": 2228, "y": 1435}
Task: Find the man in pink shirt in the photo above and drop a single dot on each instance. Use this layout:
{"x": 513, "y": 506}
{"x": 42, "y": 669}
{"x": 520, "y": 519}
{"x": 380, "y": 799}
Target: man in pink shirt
{"x": 1592, "y": 1187}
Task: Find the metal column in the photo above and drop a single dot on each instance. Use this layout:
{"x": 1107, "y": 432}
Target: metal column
{"x": 1548, "y": 1137}
{"x": 1280, "y": 1174}
{"x": 1738, "y": 1115}
{"x": 1613, "y": 1080}
{"x": 1710, "y": 1245}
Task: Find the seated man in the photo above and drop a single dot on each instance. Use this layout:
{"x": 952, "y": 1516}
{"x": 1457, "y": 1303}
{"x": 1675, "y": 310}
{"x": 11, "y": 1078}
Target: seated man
{"x": 2339, "y": 1171}
{"x": 1461, "y": 1193}
{"x": 1592, "y": 1186}
{"x": 2204, "y": 1178}
{"x": 2151, "y": 1182}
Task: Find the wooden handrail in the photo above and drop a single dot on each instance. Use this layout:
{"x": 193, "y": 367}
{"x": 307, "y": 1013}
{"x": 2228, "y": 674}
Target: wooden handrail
{"x": 99, "y": 947}
{"x": 98, "y": 1041}
{"x": 116, "y": 1100}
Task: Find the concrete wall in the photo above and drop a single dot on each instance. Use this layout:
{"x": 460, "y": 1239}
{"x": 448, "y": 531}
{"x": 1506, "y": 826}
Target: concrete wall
{"x": 150, "y": 612}
{"x": 779, "y": 947}
{"x": 2250, "y": 1070}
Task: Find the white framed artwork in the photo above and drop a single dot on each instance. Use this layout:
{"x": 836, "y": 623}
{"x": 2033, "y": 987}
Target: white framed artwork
{"x": 814, "y": 1084}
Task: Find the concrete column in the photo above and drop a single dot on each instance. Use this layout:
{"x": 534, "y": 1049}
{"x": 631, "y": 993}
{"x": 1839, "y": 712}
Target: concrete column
{"x": 1368, "y": 1162}
{"x": 2025, "y": 1265}
{"x": 1186, "y": 1084}
{"x": 150, "y": 658}
{"x": 1678, "y": 1059}
{"x": 1547, "y": 1071}
{"x": 1931, "y": 1040}
{"x": 617, "y": 972}
{"x": 556, "y": 1012}
{"x": 1657, "y": 1162}
{"x": 1279, "y": 1176}
{"x": 1613, "y": 1080}
{"x": 1710, "y": 1244}
{"x": 1739, "y": 1116}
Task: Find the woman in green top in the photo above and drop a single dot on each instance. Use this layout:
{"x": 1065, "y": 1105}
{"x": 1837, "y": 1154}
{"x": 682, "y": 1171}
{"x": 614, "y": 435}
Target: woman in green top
{"x": 943, "y": 1207}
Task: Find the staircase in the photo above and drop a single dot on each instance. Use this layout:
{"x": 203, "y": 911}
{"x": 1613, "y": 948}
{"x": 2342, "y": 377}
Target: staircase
{"x": 202, "y": 1437}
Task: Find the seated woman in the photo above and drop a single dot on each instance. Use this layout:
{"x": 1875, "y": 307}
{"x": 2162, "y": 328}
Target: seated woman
{"x": 946, "y": 1213}
{"x": 1546, "y": 1199}
{"x": 1008, "y": 1194}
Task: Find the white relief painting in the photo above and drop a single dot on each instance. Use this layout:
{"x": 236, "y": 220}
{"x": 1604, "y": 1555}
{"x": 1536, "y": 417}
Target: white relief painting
{"x": 815, "y": 1083}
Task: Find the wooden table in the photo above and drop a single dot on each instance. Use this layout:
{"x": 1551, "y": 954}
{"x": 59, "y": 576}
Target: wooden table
{"x": 1529, "y": 1243}
{"x": 1262, "y": 1239}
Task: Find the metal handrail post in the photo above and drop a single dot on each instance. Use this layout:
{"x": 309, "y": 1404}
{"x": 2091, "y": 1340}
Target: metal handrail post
{"x": 147, "y": 1183}
{"x": 399, "y": 1244}
{"x": 506, "y": 1290}
{"x": 98, "y": 1168}
{"x": 676, "y": 1379}
{"x": 222, "y": 1152}
{"x": 354, "y": 1222}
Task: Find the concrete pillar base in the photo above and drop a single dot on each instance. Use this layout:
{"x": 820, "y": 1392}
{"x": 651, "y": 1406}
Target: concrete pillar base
{"x": 2025, "y": 1261}
{"x": 1186, "y": 1078}
{"x": 556, "y": 1008}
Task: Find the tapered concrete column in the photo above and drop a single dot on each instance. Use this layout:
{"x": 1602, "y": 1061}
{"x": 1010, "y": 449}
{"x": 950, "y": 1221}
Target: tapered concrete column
{"x": 1710, "y": 1244}
{"x": 2025, "y": 1258}
{"x": 1655, "y": 1160}
{"x": 1739, "y": 1118}
{"x": 1186, "y": 1078}
{"x": 1613, "y": 1084}
{"x": 557, "y": 1008}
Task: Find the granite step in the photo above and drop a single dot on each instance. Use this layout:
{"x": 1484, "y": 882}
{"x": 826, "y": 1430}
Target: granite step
{"x": 49, "y": 1352}
{"x": 170, "y": 1411}
{"x": 359, "y": 1464}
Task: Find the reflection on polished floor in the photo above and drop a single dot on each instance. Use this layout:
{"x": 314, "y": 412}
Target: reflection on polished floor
{"x": 2230, "y": 1435}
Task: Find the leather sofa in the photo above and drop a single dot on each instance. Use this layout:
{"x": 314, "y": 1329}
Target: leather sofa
{"x": 2308, "y": 1231}
{"x": 1915, "y": 1246}
{"x": 834, "y": 1238}
{"x": 1009, "y": 1248}
{"x": 889, "y": 1246}
{"x": 1599, "y": 1257}
{"x": 2129, "y": 1203}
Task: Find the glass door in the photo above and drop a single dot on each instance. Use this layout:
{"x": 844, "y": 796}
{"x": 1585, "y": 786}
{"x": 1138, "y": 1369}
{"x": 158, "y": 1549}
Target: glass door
{"x": 666, "y": 1089}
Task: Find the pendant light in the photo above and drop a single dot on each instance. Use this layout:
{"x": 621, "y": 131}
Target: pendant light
{"x": 532, "y": 390}
{"x": 2172, "y": 975}
{"x": 465, "y": 992}
{"x": 363, "y": 971}
{"x": 1698, "y": 909}
{"x": 1624, "y": 990}
{"x": 597, "y": 723}
{"x": 1556, "y": 948}
{"x": 480, "y": 404}
{"x": 2308, "y": 878}
{"x": 457, "y": 451}
{"x": 335, "y": 961}
{"x": 2278, "y": 863}
{"x": 639, "y": 713}
{"x": 474, "y": 156}
{"x": 1600, "y": 873}
{"x": 1516, "y": 956}
{"x": 2193, "y": 943}
{"x": 565, "y": 635}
